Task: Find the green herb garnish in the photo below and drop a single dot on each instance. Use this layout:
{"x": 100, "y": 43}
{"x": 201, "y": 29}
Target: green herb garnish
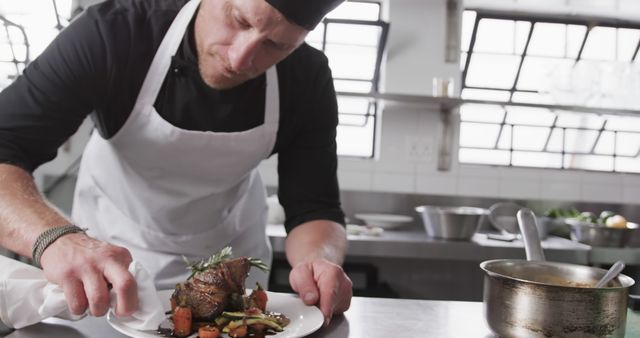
{"x": 257, "y": 263}
{"x": 220, "y": 257}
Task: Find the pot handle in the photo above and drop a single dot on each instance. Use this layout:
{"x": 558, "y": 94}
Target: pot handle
{"x": 529, "y": 229}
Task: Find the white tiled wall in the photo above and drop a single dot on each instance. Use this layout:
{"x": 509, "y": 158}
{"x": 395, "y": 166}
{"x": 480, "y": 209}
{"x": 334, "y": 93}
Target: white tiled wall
{"x": 355, "y": 180}
{"x": 477, "y": 186}
{"x": 631, "y": 192}
{"x": 392, "y": 182}
{"x": 557, "y": 189}
{"x": 436, "y": 184}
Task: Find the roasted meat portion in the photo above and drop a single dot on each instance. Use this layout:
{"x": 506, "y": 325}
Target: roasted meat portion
{"x": 211, "y": 291}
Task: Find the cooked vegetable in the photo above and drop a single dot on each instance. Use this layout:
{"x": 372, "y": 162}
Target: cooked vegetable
{"x": 182, "y": 320}
{"x": 605, "y": 215}
{"x": 233, "y": 315}
{"x": 279, "y": 318}
{"x": 208, "y": 332}
{"x": 222, "y": 321}
{"x": 253, "y": 321}
{"x": 239, "y": 332}
{"x": 616, "y": 221}
{"x": 552, "y": 213}
{"x": 241, "y": 318}
{"x": 258, "y": 298}
{"x": 174, "y": 303}
{"x": 587, "y": 216}
{"x": 562, "y": 213}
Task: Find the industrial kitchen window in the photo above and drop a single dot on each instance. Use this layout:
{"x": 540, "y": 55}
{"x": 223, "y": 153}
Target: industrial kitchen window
{"x": 14, "y": 51}
{"x": 26, "y": 28}
{"x": 353, "y": 37}
{"x": 554, "y": 61}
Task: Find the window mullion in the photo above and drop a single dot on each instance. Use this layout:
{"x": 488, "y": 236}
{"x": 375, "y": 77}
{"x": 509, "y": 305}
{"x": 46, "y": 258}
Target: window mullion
{"x": 470, "y": 51}
{"x": 524, "y": 54}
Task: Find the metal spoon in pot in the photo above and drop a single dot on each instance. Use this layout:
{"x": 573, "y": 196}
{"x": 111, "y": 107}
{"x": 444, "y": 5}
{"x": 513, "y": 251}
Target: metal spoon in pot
{"x": 613, "y": 272}
{"x": 527, "y": 223}
{"x": 529, "y": 230}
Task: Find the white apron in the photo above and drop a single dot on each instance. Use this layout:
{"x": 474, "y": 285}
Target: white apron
{"x": 163, "y": 192}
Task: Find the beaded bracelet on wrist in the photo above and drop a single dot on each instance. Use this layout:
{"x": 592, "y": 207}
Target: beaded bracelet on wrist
{"x": 48, "y": 237}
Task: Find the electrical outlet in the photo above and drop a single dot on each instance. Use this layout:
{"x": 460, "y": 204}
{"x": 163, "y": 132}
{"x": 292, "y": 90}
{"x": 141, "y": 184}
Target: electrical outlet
{"x": 419, "y": 149}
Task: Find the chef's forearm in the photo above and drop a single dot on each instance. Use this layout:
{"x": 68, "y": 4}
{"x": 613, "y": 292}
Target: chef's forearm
{"x": 319, "y": 239}
{"x": 24, "y": 214}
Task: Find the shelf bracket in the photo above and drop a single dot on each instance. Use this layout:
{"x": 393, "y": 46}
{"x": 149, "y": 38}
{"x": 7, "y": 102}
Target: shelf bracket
{"x": 445, "y": 146}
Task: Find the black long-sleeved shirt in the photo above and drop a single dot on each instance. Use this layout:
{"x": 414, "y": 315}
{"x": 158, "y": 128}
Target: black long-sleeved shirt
{"x": 97, "y": 65}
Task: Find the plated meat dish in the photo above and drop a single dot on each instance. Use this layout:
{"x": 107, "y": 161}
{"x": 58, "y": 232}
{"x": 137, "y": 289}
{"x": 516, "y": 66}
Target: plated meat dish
{"x": 213, "y": 301}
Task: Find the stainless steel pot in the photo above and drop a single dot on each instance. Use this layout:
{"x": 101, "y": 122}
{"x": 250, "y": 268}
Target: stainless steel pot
{"x": 535, "y": 298}
{"x": 545, "y": 299}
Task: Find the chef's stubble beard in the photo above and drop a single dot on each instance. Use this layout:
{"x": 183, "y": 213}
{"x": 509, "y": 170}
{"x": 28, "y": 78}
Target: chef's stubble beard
{"x": 219, "y": 86}
{"x": 204, "y": 77}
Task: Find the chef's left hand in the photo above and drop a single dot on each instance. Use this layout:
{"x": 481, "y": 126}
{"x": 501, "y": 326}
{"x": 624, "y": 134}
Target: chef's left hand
{"x": 323, "y": 283}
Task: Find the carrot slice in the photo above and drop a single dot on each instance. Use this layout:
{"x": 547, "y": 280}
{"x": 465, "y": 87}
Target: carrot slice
{"x": 209, "y": 332}
{"x": 182, "y": 319}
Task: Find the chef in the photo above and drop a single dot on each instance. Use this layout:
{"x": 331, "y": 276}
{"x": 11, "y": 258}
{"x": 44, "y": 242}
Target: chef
{"x": 187, "y": 96}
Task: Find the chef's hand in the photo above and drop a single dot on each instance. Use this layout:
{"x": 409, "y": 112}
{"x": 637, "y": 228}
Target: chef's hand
{"x": 324, "y": 283}
{"x": 86, "y": 268}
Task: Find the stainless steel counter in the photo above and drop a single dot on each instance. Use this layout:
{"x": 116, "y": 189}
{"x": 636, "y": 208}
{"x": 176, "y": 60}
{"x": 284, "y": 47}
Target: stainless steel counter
{"x": 416, "y": 244}
{"x": 367, "y": 317}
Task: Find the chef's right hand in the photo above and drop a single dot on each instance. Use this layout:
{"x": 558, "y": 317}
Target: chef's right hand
{"x": 86, "y": 268}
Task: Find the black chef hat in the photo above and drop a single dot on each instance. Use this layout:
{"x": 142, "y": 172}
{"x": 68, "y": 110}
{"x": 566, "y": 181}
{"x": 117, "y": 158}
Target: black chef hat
{"x": 306, "y": 13}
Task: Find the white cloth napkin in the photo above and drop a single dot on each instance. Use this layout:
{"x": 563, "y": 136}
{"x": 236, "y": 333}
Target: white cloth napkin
{"x": 27, "y": 298}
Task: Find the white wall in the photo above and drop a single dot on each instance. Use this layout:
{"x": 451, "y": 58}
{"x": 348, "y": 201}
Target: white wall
{"x": 416, "y": 54}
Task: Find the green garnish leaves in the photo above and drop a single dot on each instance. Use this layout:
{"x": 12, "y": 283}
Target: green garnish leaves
{"x": 218, "y": 258}
{"x": 213, "y": 261}
{"x": 257, "y": 262}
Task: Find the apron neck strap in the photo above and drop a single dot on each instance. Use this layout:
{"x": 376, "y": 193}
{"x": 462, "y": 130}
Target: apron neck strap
{"x": 162, "y": 60}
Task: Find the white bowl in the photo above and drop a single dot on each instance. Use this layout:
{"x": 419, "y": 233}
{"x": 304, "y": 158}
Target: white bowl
{"x": 384, "y": 221}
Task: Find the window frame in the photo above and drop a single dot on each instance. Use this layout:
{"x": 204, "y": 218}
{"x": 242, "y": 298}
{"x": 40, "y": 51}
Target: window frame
{"x": 6, "y": 23}
{"x": 533, "y": 18}
{"x": 565, "y": 162}
{"x": 373, "y": 106}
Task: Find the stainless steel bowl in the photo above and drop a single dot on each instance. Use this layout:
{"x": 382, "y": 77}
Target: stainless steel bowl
{"x": 456, "y": 223}
{"x": 599, "y": 235}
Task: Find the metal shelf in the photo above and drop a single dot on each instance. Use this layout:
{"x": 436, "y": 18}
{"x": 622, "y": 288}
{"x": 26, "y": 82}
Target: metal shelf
{"x": 447, "y": 103}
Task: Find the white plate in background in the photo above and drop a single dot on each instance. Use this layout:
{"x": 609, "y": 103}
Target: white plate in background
{"x": 384, "y": 221}
{"x": 305, "y": 319}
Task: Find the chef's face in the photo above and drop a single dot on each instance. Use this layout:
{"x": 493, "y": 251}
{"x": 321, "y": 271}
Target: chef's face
{"x": 238, "y": 40}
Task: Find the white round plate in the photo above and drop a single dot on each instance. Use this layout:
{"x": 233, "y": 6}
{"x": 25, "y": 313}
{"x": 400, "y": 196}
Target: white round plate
{"x": 384, "y": 221}
{"x": 304, "y": 319}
